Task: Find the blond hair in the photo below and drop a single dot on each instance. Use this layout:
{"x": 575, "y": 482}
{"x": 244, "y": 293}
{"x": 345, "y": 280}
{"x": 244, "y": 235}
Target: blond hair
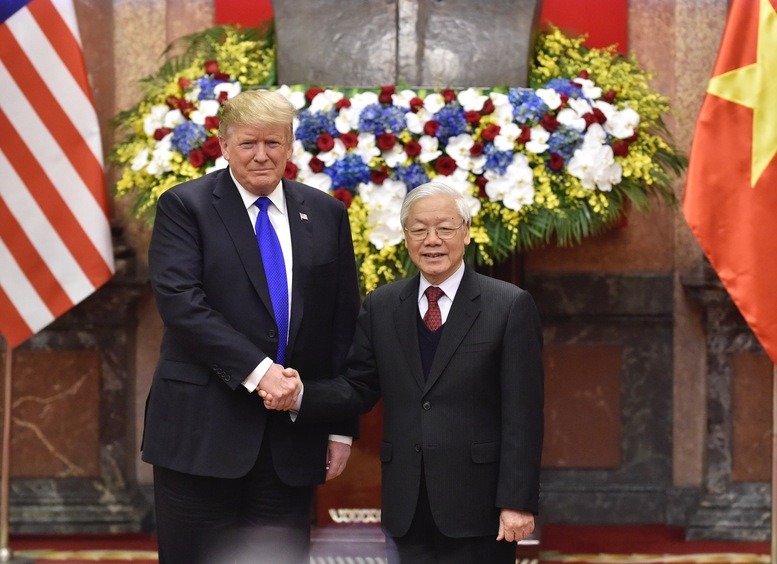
{"x": 257, "y": 108}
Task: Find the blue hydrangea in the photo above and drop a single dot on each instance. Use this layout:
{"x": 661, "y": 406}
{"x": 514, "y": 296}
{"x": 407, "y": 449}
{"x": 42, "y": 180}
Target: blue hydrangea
{"x": 452, "y": 122}
{"x": 207, "y": 85}
{"x": 564, "y": 141}
{"x": 527, "y": 106}
{"x": 497, "y": 161}
{"x": 187, "y": 137}
{"x": 413, "y": 175}
{"x": 313, "y": 124}
{"x": 348, "y": 172}
{"x": 565, "y": 86}
{"x": 380, "y": 118}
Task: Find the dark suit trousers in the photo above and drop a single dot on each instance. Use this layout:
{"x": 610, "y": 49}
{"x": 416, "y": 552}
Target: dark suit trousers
{"x": 425, "y": 544}
{"x": 254, "y": 519}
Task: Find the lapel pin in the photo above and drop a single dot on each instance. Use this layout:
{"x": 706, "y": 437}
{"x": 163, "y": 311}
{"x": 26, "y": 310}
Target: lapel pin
{"x": 303, "y": 216}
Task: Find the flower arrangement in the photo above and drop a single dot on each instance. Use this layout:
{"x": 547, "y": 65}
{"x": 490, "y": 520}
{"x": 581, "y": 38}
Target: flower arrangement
{"x": 554, "y": 162}
{"x": 171, "y": 135}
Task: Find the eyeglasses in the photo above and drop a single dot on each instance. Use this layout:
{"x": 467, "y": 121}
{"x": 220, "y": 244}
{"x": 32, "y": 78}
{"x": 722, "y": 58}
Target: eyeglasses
{"x": 444, "y": 232}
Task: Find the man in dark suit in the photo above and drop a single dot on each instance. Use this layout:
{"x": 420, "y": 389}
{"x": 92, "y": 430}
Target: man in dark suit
{"x": 460, "y": 372}
{"x": 232, "y": 480}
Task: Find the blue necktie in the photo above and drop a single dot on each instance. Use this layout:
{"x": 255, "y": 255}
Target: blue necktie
{"x": 275, "y": 271}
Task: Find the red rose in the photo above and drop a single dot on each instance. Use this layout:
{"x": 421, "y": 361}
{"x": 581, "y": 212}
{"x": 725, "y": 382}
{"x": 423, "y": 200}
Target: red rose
{"x": 350, "y": 139}
{"x": 564, "y": 100}
{"x": 449, "y": 95}
{"x": 378, "y": 176}
{"x": 211, "y": 67}
{"x": 161, "y": 132}
{"x": 223, "y": 97}
{"x": 222, "y": 76}
{"x": 481, "y": 182}
{"x": 556, "y": 161}
{"x": 490, "y": 132}
{"x": 312, "y": 93}
{"x": 599, "y": 115}
{"x": 525, "y": 134}
{"x": 488, "y": 107}
{"x": 325, "y": 142}
{"x": 212, "y": 122}
{"x": 316, "y": 164}
{"x": 549, "y": 122}
{"x": 291, "y": 170}
{"x": 472, "y": 117}
{"x": 184, "y": 83}
{"x": 212, "y": 148}
{"x": 197, "y": 158}
{"x": 633, "y": 137}
{"x": 583, "y": 74}
{"x": 609, "y": 96}
{"x": 416, "y": 104}
{"x": 589, "y": 118}
{"x": 342, "y": 103}
{"x": 477, "y": 149}
{"x": 431, "y": 127}
{"x": 386, "y": 93}
{"x": 413, "y": 148}
{"x": 186, "y": 107}
{"x": 386, "y": 141}
{"x": 344, "y": 196}
{"x": 445, "y": 165}
{"x": 172, "y": 102}
{"x": 621, "y": 148}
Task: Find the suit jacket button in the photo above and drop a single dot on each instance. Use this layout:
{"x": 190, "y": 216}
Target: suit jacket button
{"x": 418, "y": 448}
{"x": 427, "y": 406}
{"x": 272, "y": 333}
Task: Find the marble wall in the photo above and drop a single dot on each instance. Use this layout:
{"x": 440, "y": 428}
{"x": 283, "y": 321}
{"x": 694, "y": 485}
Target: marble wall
{"x": 651, "y": 411}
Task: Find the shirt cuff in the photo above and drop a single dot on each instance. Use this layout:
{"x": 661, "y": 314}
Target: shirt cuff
{"x": 341, "y": 439}
{"x": 255, "y": 378}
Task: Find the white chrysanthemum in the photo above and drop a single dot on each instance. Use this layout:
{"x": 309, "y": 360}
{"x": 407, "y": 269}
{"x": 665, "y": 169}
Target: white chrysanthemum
{"x": 514, "y": 188}
{"x": 538, "y": 143}
{"x": 471, "y": 100}
{"x": 551, "y": 98}
{"x": 155, "y": 119}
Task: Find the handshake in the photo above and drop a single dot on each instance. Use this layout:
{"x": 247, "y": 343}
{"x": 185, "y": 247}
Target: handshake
{"x": 280, "y": 388}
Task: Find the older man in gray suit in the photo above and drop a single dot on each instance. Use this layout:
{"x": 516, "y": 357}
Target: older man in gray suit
{"x": 456, "y": 357}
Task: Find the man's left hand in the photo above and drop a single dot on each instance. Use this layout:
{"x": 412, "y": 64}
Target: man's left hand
{"x": 515, "y": 525}
{"x": 337, "y": 454}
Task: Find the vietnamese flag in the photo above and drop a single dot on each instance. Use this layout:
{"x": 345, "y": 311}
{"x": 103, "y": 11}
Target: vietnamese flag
{"x": 730, "y": 197}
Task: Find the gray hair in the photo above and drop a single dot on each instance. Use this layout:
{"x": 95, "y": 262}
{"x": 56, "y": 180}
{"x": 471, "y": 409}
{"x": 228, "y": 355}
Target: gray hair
{"x": 435, "y": 188}
{"x": 257, "y": 108}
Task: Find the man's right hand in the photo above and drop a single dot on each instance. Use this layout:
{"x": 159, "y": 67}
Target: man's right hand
{"x": 278, "y": 389}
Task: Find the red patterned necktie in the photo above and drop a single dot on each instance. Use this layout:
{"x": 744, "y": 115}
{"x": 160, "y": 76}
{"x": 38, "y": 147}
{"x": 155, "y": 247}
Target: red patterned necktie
{"x": 433, "y": 317}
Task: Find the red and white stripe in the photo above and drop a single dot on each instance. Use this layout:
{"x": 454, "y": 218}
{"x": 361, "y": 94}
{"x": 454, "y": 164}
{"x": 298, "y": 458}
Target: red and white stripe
{"x": 55, "y": 240}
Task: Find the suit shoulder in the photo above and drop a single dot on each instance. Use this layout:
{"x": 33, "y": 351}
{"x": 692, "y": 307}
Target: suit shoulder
{"x": 501, "y": 289}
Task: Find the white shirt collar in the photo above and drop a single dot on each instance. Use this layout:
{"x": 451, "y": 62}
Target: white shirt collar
{"x": 450, "y": 285}
{"x": 276, "y": 196}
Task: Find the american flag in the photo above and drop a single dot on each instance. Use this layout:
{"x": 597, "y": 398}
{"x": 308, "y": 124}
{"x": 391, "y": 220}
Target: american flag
{"x": 55, "y": 241}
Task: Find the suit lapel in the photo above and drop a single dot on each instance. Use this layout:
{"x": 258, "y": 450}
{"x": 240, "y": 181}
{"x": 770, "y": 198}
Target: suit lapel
{"x": 405, "y": 319}
{"x": 464, "y": 310}
{"x": 229, "y": 205}
{"x": 300, "y": 227}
